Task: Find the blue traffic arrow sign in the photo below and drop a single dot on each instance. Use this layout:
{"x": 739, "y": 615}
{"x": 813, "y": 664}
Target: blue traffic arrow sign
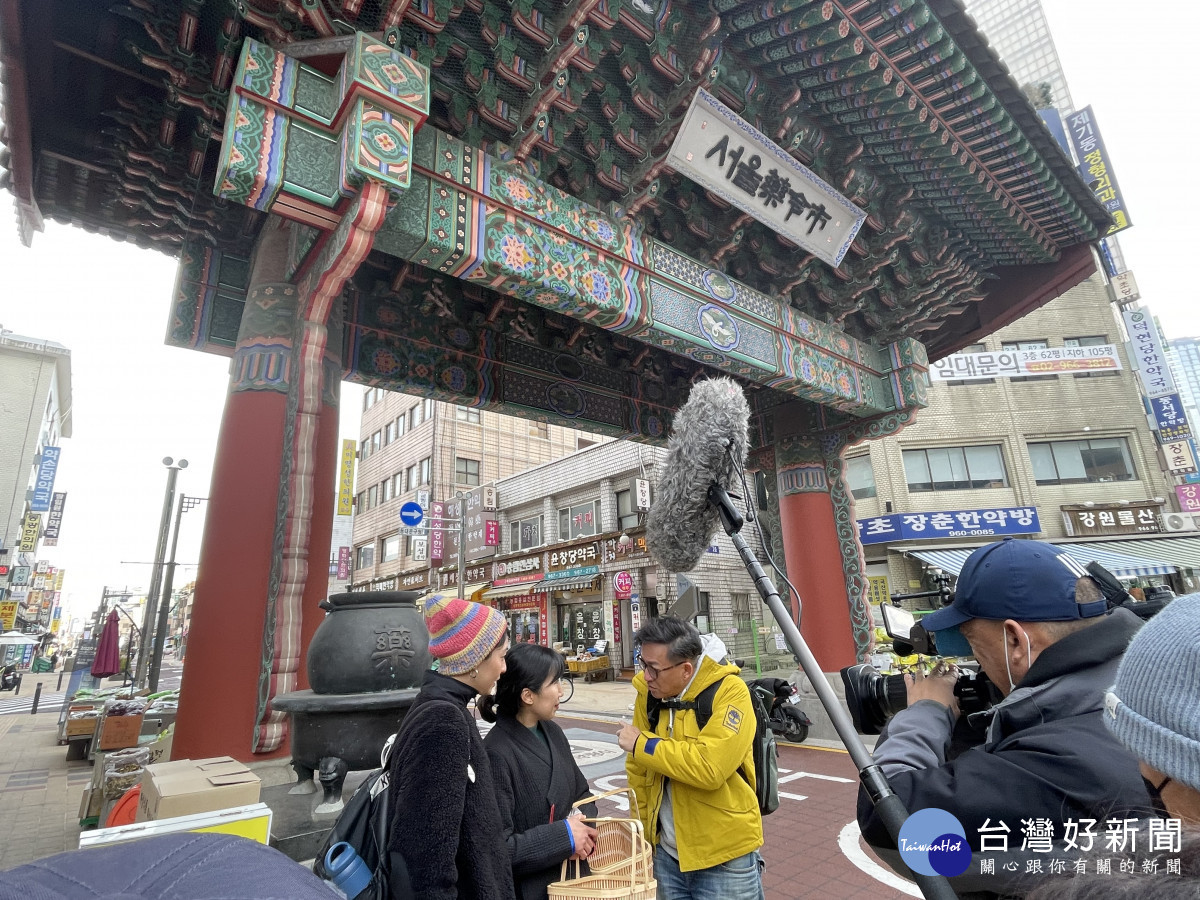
{"x": 411, "y": 513}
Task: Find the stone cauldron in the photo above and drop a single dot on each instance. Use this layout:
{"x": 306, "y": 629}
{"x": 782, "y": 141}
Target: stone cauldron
{"x": 365, "y": 665}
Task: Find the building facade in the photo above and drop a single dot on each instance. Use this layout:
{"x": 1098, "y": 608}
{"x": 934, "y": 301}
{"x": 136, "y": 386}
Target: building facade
{"x": 1184, "y": 354}
{"x": 35, "y": 395}
{"x": 414, "y": 449}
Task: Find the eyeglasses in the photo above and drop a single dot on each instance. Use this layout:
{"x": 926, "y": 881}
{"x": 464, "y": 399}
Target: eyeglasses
{"x": 653, "y": 671}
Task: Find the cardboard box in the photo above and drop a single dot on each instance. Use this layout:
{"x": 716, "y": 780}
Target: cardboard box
{"x": 187, "y": 786}
{"x": 160, "y": 749}
{"x": 85, "y": 803}
{"x": 81, "y": 727}
{"x": 119, "y": 732}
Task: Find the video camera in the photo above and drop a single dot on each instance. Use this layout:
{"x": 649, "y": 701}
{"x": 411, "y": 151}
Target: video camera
{"x": 873, "y": 698}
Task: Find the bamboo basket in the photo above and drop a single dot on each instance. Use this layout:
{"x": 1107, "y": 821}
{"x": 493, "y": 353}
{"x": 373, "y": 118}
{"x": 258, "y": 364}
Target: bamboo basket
{"x": 622, "y": 865}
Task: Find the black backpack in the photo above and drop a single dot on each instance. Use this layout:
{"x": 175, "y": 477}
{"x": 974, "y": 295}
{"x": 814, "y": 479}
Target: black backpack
{"x": 363, "y": 824}
{"x": 766, "y": 754}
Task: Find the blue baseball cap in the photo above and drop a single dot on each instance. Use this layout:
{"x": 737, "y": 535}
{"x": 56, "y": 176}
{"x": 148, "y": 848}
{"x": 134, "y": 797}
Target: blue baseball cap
{"x": 1030, "y": 581}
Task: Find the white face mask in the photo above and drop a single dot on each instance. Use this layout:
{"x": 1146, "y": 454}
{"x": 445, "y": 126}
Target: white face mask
{"x": 1028, "y": 653}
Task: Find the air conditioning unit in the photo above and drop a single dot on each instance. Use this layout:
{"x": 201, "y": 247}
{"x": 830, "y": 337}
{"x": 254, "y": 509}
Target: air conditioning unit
{"x": 1179, "y": 522}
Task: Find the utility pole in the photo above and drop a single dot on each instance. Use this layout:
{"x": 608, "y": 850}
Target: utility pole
{"x": 462, "y": 542}
{"x": 156, "y": 578}
{"x": 164, "y": 609}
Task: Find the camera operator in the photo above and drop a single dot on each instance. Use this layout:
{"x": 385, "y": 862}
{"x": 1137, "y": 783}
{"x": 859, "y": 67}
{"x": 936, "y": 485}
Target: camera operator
{"x": 1039, "y": 627}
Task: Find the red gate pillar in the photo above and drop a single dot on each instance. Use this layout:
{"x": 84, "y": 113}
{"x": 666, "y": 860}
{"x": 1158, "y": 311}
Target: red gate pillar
{"x": 821, "y": 552}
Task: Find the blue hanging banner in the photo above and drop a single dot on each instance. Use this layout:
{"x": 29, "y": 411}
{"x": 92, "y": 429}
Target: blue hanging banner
{"x": 43, "y": 488}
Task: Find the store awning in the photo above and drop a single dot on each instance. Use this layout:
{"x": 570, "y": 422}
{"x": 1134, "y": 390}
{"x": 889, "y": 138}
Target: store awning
{"x": 468, "y": 591}
{"x": 948, "y": 560}
{"x": 1182, "y": 552}
{"x": 566, "y": 584}
{"x": 511, "y": 590}
{"x": 1120, "y": 564}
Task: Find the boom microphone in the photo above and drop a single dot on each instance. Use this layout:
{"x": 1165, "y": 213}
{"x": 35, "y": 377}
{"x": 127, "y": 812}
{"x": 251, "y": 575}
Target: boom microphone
{"x": 708, "y": 438}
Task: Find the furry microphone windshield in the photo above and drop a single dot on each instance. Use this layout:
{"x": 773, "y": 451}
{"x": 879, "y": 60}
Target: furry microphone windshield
{"x": 708, "y": 438}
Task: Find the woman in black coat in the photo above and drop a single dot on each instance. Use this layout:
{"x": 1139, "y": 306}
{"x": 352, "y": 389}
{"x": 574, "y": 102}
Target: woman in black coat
{"x": 445, "y": 829}
{"x": 536, "y": 779}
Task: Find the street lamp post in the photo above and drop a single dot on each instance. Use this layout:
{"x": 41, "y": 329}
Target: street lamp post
{"x": 160, "y": 555}
{"x": 164, "y": 608}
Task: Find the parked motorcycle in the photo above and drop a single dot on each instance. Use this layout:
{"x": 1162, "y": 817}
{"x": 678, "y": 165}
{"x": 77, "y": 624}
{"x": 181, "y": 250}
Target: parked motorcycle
{"x": 779, "y": 696}
{"x": 9, "y": 678}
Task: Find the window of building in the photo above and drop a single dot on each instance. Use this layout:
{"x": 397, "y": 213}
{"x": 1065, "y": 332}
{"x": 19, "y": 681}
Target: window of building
{"x": 466, "y": 414}
{"x": 627, "y": 516}
{"x": 385, "y": 490}
{"x": 364, "y": 449}
{"x": 539, "y": 430}
{"x": 860, "y": 477}
{"x": 525, "y": 533}
{"x": 427, "y": 405}
{"x": 372, "y": 496}
{"x": 1028, "y": 345}
{"x": 414, "y": 417}
{"x": 955, "y": 468}
{"x": 580, "y": 443}
{"x": 398, "y": 484}
{"x": 970, "y": 348}
{"x": 376, "y": 442}
{"x": 412, "y": 482}
{"x": 425, "y": 469}
{"x": 360, "y": 502}
{"x": 582, "y": 520}
{"x": 401, "y": 425}
{"x": 1078, "y": 462}
{"x": 466, "y": 471}
{"x": 703, "y": 622}
{"x": 389, "y": 433}
{"x": 1090, "y": 340}
{"x": 389, "y": 548}
{"x": 364, "y": 556}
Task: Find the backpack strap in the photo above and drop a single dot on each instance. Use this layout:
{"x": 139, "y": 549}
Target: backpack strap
{"x": 703, "y": 705}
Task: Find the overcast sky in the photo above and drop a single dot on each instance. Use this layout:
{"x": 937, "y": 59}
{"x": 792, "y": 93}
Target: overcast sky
{"x": 136, "y": 401}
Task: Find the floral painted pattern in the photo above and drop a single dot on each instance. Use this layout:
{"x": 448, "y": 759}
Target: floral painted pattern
{"x": 517, "y": 189}
{"x": 596, "y": 284}
{"x": 516, "y": 255}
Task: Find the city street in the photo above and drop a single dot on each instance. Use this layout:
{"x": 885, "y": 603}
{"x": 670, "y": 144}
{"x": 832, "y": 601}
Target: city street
{"x": 812, "y": 844}
{"x": 52, "y": 697}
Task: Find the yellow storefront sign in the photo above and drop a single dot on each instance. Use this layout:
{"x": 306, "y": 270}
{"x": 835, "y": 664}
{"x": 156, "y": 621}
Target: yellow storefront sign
{"x": 346, "y": 479}
{"x": 31, "y": 527}
{"x": 8, "y": 615}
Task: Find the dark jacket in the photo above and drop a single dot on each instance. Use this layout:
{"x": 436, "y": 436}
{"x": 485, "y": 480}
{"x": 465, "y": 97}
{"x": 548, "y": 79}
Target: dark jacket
{"x": 444, "y": 820}
{"x": 1047, "y": 755}
{"x": 536, "y": 787}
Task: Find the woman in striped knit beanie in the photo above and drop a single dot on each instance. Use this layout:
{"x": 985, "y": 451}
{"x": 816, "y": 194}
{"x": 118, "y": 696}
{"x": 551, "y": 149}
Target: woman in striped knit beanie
{"x": 445, "y": 826}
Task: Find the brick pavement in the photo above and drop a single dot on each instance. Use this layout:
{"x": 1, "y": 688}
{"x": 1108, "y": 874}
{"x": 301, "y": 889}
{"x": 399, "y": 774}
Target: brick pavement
{"x": 40, "y": 792}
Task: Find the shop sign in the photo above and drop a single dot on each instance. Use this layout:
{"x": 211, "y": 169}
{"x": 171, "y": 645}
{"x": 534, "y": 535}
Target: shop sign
{"x": 616, "y": 622}
{"x": 1022, "y": 363}
{"x": 343, "y": 563}
{"x": 523, "y": 570}
{"x": 1095, "y": 166}
{"x": 345, "y": 505}
{"x": 610, "y": 549}
{"x": 472, "y": 574}
{"x": 1189, "y": 497}
{"x": 635, "y": 611}
{"x": 411, "y": 581}
{"x": 949, "y": 524}
{"x": 384, "y": 584}
{"x": 572, "y": 556}
{"x": 480, "y": 539}
{"x": 437, "y": 537}
{"x": 54, "y": 519}
{"x": 623, "y": 585}
{"x": 30, "y": 527}
{"x": 39, "y": 582}
{"x": 1125, "y": 287}
{"x": 8, "y": 615}
{"x": 43, "y": 487}
{"x": 1148, "y": 353}
{"x": 576, "y": 572}
{"x": 1111, "y": 518}
{"x": 641, "y": 494}
{"x": 42, "y": 567}
{"x": 20, "y": 575}
{"x": 1170, "y": 418}
{"x": 1179, "y": 457}
{"x": 59, "y": 576}
{"x": 522, "y": 601}
{"x": 606, "y": 611}
{"x": 724, "y": 154}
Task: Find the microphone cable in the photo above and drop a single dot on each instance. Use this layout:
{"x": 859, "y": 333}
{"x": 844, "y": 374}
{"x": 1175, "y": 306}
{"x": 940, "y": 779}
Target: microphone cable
{"x": 762, "y": 540}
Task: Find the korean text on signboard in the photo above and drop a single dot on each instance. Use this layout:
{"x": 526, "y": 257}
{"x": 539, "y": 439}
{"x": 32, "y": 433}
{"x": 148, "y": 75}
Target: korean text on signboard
{"x": 43, "y": 487}
{"x": 1125, "y": 287}
{"x": 1189, "y": 497}
{"x": 1135, "y": 518}
{"x": 1096, "y": 168}
{"x": 949, "y": 524}
{"x": 1179, "y": 457}
{"x": 31, "y": 527}
{"x": 346, "y": 479}
{"x": 343, "y": 563}
{"x": 1169, "y": 416}
{"x": 721, "y": 152}
{"x": 54, "y": 519}
{"x": 1021, "y": 363}
{"x": 1148, "y": 353}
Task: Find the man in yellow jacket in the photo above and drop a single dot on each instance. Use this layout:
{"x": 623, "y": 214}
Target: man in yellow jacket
{"x": 694, "y": 786}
